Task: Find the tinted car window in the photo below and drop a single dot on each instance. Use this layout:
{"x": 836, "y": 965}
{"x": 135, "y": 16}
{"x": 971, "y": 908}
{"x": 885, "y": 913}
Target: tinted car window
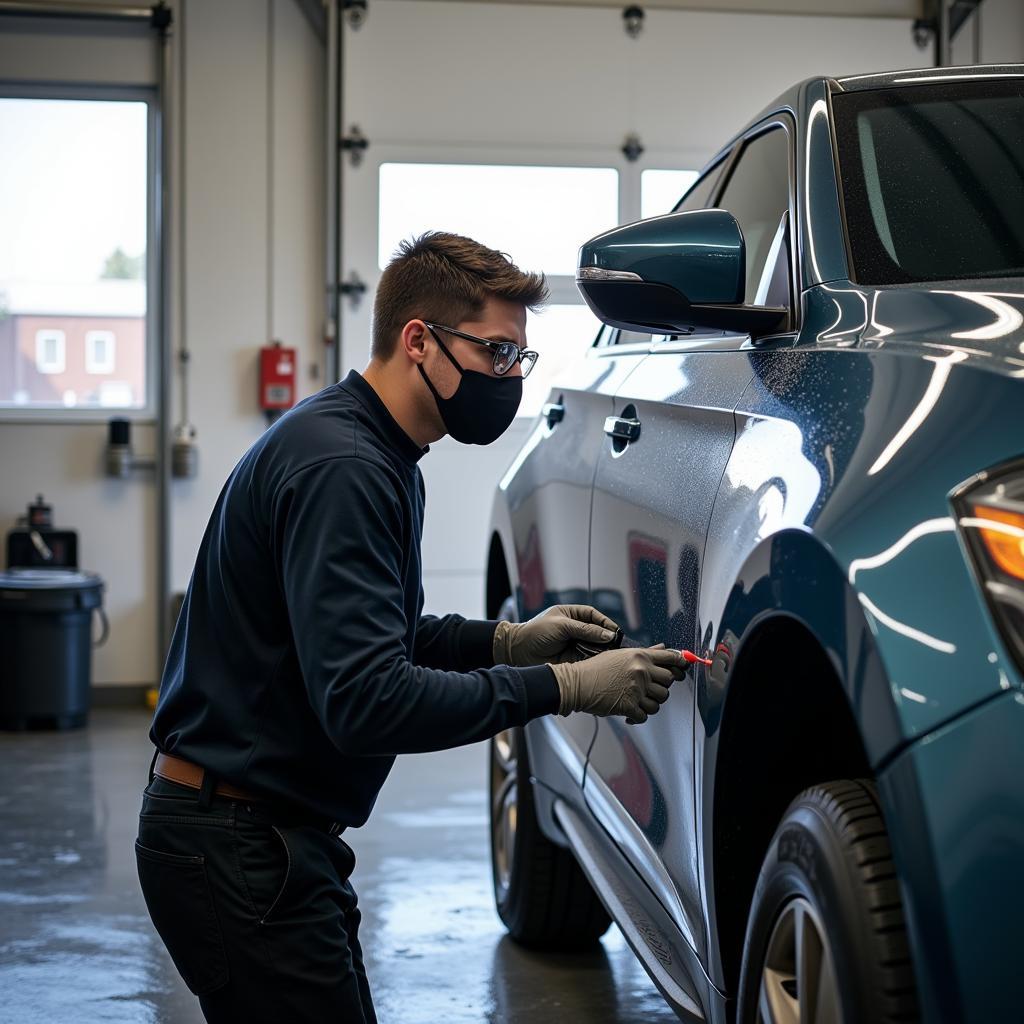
{"x": 632, "y": 338}
{"x": 699, "y": 197}
{"x": 636, "y": 338}
{"x": 933, "y": 181}
{"x": 608, "y": 336}
{"x": 757, "y": 195}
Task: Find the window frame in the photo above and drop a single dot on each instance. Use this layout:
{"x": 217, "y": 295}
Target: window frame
{"x": 361, "y": 220}
{"x": 365, "y": 222}
{"x": 147, "y": 413}
{"x": 59, "y": 365}
{"x": 555, "y": 281}
{"x": 110, "y": 362}
{"x": 361, "y": 211}
{"x": 741, "y": 146}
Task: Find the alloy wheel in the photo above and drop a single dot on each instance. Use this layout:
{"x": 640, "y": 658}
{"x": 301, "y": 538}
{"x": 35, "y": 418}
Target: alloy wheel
{"x": 504, "y": 804}
{"x": 798, "y": 980}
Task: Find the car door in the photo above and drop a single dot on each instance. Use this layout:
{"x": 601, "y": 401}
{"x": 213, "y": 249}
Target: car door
{"x": 669, "y": 441}
{"x": 547, "y": 493}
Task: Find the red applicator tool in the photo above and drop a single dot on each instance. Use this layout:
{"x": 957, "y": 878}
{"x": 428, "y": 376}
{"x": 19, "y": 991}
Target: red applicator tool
{"x": 694, "y": 659}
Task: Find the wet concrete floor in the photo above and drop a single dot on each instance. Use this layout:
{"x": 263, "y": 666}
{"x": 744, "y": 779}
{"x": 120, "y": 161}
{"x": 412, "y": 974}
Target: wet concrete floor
{"x": 77, "y": 945}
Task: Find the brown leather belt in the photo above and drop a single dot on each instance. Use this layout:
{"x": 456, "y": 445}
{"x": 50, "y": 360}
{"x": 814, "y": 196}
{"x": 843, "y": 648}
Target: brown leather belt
{"x": 185, "y": 773}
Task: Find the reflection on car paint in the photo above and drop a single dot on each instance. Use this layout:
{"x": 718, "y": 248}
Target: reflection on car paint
{"x": 920, "y": 412}
{"x": 647, "y": 556}
{"x": 532, "y": 590}
{"x": 876, "y": 613}
{"x": 942, "y": 525}
{"x": 1007, "y": 317}
{"x": 637, "y": 790}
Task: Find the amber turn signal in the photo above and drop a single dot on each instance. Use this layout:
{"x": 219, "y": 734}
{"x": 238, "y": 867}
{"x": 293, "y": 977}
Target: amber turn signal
{"x": 1002, "y": 533}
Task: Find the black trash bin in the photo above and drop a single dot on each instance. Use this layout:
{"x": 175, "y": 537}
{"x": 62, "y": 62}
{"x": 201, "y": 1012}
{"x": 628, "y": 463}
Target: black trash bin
{"x": 46, "y": 646}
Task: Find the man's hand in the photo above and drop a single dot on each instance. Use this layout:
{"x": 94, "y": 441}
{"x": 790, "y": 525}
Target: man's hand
{"x": 551, "y": 636}
{"x": 633, "y": 683}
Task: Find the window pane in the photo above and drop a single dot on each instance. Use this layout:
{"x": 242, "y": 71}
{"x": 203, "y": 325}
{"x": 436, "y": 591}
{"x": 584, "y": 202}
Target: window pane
{"x": 699, "y": 197}
{"x": 661, "y": 190}
{"x": 50, "y": 352}
{"x": 73, "y": 203}
{"x": 560, "y": 334}
{"x": 638, "y": 338}
{"x": 100, "y": 352}
{"x": 757, "y": 195}
{"x": 538, "y": 215}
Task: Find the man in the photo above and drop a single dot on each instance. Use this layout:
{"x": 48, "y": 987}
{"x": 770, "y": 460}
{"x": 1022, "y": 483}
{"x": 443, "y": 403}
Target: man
{"x": 301, "y": 664}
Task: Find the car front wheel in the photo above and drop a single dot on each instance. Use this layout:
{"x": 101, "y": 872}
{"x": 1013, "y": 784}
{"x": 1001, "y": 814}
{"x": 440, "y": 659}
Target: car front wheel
{"x": 826, "y": 941}
{"x": 542, "y": 895}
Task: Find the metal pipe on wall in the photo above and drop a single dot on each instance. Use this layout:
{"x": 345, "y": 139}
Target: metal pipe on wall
{"x": 331, "y": 163}
{"x": 942, "y": 37}
{"x": 269, "y": 331}
{"x": 104, "y": 12}
{"x": 184, "y": 453}
{"x": 162, "y": 445}
{"x": 339, "y": 193}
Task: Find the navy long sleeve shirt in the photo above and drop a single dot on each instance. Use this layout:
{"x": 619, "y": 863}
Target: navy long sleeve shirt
{"x": 301, "y": 663}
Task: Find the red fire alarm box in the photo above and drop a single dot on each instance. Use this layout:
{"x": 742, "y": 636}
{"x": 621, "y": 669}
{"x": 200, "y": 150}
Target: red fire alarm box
{"x": 277, "y": 377}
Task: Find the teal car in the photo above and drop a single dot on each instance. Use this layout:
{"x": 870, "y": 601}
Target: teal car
{"x": 797, "y": 448}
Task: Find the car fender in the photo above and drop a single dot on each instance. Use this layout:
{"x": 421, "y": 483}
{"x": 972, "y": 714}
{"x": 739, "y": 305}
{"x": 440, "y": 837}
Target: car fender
{"x": 834, "y": 511}
{"x": 861, "y": 451}
{"x": 789, "y": 577}
{"x": 792, "y": 574}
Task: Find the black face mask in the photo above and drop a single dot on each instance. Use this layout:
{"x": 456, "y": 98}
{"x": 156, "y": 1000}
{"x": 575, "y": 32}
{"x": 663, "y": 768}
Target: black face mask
{"x": 482, "y": 408}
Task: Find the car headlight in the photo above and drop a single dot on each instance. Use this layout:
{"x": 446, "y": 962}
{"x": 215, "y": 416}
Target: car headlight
{"x": 990, "y": 513}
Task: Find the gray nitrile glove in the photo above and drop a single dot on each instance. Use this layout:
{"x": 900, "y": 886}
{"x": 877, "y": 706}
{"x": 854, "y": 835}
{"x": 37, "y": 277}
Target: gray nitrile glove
{"x": 632, "y": 683}
{"x": 551, "y": 636}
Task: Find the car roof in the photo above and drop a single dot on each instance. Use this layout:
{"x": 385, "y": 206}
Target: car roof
{"x": 914, "y": 76}
{"x": 790, "y": 99}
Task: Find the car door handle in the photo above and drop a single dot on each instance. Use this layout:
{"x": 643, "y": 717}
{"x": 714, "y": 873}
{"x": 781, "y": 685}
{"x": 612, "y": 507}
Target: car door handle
{"x": 553, "y": 412}
{"x": 624, "y": 430}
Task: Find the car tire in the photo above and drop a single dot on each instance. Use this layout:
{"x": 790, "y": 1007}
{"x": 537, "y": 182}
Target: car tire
{"x": 826, "y": 939}
{"x": 542, "y": 895}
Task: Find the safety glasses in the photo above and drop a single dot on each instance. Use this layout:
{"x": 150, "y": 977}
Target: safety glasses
{"x": 506, "y": 353}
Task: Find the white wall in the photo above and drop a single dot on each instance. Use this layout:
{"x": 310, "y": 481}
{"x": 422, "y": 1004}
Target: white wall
{"x": 1002, "y": 34}
{"x": 227, "y": 95}
{"x": 511, "y": 81}
{"x": 228, "y": 273}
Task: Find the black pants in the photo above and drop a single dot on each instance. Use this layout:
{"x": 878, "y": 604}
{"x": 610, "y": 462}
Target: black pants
{"x": 255, "y": 909}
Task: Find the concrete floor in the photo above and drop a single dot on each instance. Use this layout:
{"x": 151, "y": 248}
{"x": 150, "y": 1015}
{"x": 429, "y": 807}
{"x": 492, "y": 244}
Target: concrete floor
{"x": 76, "y": 943}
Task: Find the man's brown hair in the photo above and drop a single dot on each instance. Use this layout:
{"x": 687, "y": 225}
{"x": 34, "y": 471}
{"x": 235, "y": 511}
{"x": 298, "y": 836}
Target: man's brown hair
{"x": 447, "y": 279}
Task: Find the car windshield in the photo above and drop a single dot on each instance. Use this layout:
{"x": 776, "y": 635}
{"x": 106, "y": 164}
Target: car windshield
{"x": 933, "y": 180}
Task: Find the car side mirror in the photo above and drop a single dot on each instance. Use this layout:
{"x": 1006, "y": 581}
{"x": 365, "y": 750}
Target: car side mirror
{"x": 671, "y": 274}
